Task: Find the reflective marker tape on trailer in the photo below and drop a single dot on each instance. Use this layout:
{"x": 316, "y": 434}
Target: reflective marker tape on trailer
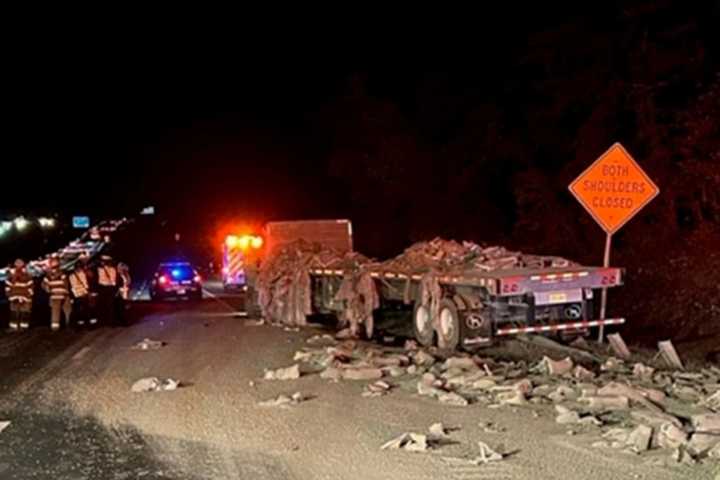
{"x": 561, "y": 326}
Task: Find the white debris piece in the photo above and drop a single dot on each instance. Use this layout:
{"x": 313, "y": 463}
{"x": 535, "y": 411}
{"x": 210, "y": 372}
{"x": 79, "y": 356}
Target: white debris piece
{"x": 702, "y": 442}
{"x": 487, "y": 454}
{"x": 713, "y": 401}
{"x": 643, "y": 371}
{"x": 618, "y": 345}
{"x": 562, "y": 393}
{"x": 147, "y": 344}
{"x": 412, "y": 442}
{"x": 3, "y": 425}
{"x": 423, "y": 359}
{"x": 362, "y": 373}
{"x": 438, "y": 431}
{"x": 289, "y": 373}
{"x": 612, "y": 364}
{"x": 255, "y": 323}
{"x": 283, "y": 400}
{"x": 557, "y": 367}
{"x": 154, "y": 384}
{"x": 453, "y": 399}
{"x": 669, "y": 354}
{"x": 566, "y": 416}
{"x": 582, "y": 373}
{"x": 376, "y": 389}
{"x": 671, "y": 436}
{"x": 607, "y": 402}
{"x": 462, "y": 363}
{"x": 706, "y": 422}
{"x": 639, "y": 439}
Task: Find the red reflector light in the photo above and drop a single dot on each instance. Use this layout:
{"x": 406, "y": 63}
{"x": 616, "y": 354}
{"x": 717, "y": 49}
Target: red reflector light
{"x": 197, "y": 279}
{"x": 162, "y": 280}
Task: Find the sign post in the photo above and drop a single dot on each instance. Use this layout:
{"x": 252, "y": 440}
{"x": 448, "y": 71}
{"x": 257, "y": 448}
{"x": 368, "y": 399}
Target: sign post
{"x": 613, "y": 190}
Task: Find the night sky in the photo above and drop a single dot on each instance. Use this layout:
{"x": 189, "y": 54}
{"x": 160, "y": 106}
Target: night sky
{"x": 411, "y": 128}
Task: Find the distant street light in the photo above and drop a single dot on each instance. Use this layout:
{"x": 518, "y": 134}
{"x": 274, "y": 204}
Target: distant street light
{"x": 21, "y": 223}
{"x": 46, "y": 222}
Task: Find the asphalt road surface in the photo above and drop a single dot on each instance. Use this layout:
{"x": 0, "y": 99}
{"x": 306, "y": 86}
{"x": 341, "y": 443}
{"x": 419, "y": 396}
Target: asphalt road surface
{"x": 73, "y": 416}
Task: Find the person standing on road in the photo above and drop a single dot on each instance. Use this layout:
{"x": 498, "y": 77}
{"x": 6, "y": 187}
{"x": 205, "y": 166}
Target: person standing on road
{"x": 107, "y": 280}
{"x": 56, "y": 284}
{"x": 19, "y": 289}
{"x": 80, "y": 289}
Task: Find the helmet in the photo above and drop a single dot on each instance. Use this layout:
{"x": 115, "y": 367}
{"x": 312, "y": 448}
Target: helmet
{"x": 19, "y": 263}
{"x": 54, "y": 263}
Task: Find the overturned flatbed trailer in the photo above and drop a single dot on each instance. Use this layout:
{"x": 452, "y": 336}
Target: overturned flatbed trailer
{"x": 470, "y": 307}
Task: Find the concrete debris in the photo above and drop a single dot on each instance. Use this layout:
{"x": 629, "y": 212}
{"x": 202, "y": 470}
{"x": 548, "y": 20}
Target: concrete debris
{"x": 607, "y": 403}
{"x": 641, "y": 396}
{"x": 438, "y": 431}
{"x": 562, "y": 394}
{"x": 671, "y": 436}
{"x": 148, "y": 344}
{"x": 580, "y": 343}
{"x": 412, "y": 442}
{"x": 669, "y": 354}
{"x": 453, "y": 399}
{"x": 618, "y": 435}
{"x": 301, "y": 356}
{"x": 706, "y": 423}
{"x": 154, "y": 384}
{"x": 700, "y": 442}
{"x": 4, "y": 424}
{"x": 513, "y": 397}
{"x": 395, "y": 371}
{"x": 643, "y": 371}
{"x": 582, "y": 373}
{"x": 490, "y": 427}
{"x": 612, "y": 364}
{"x": 344, "y": 334}
{"x": 487, "y": 454}
{"x": 713, "y": 401}
{"x": 557, "y": 367}
{"x": 324, "y": 339}
{"x": 423, "y": 359}
{"x": 362, "y": 373}
{"x": 681, "y": 455}
{"x": 429, "y": 391}
{"x": 714, "y": 452}
{"x": 640, "y": 438}
{"x": 566, "y": 416}
{"x": 283, "y": 400}
{"x": 524, "y": 386}
{"x": 484, "y": 384}
{"x": 462, "y": 363}
{"x": 331, "y": 374}
{"x": 255, "y": 323}
{"x": 289, "y": 373}
{"x": 431, "y": 380}
{"x": 654, "y": 419}
{"x": 687, "y": 393}
{"x": 618, "y": 346}
{"x": 376, "y": 389}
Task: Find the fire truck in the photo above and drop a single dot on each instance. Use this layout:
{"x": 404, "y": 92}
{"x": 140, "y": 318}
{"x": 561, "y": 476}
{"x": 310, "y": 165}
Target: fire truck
{"x": 240, "y": 261}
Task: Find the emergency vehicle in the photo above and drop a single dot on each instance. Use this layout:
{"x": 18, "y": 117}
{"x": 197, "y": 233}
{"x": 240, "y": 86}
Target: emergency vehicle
{"x": 241, "y": 256}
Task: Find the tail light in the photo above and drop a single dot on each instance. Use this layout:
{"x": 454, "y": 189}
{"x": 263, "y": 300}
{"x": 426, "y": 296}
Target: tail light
{"x": 197, "y": 278}
{"x": 162, "y": 280}
{"x": 510, "y": 285}
{"x": 610, "y": 277}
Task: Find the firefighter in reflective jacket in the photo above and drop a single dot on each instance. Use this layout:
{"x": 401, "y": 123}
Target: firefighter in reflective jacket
{"x": 56, "y": 284}
{"x": 107, "y": 281}
{"x": 19, "y": 289}
{"x": 80, "y": 290}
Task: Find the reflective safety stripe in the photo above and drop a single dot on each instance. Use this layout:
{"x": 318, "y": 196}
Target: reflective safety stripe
{"x": 79, "y": 283}
{"x": 561, "y": 326}
{"x": 107, "y": 276}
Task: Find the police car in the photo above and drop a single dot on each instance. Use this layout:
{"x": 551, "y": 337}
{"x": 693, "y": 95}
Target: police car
{"x": 176, "y": 280}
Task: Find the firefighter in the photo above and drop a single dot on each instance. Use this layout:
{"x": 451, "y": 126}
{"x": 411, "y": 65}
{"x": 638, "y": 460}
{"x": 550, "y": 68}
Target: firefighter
{"x": 20, "y": 288}
{"x": 56, "y": 284}
{"x": 107, "y": 281}
{"x": 80, "y": 290}
{"x": 123, "y": 292}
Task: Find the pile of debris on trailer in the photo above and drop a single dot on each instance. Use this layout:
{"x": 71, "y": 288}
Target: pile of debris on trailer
{"x": 613, "y": 404}
{"x": 283, "y": 284}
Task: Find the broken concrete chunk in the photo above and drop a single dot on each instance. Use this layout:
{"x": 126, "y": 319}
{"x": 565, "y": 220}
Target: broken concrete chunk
{"x": 701, "y": 443}
{"x": 396, "y": 372}
{"x": 301, "y": 356}
{"x": 654, "y": 419}
{"x": 618, "y": 435}
{"x": 3, "y": 425}
{"x": 453, "y": 399}
{"x": 513, "y": 397}
{"x": 487, "y": 454}
{"x": 462, "y": 363}
{"x": 331, "y": 374}
{"x": 484, "y": 384}
{"x": 396, "y": 443}
{"x": 289, "y": 373}
{"x": 681, "y": 455}
{"x": 706, "y": 422}
{"x": 362, "y": 373}
{"x": 148, "y": 344}
{"x": 643, "y": 371}
{"x": 283, "y": 400}
{"x": 612, "y": 364}
{"x": 429, "y": 379}
{"x": 423, "y": 359}
{"x": 582, "y": 373}
{"x": 344, "y": 334}
{"x": 429, "y": 391}
{"x": 523, "y": 386}
{"x": 154, "y": 384}
{"x": 671, "y": 436}
{"x": 669, "y": 354}
{"x": 557, "y": 367}
{"x": 591, "y": 420}
{"x": 412, "y": 442}
{"x": 636, "y": 395}
{"x": 437, "y": 431}
{"x": 376, "y": 389}
{"x": 639, "y": 439}
{"x": 607, "y": 403}
{"x": 562, "y": 394}
{"x": 714, "y": 452}
{"x": 618, "y": 346}
{"x": 410, "y": 345}
{"x": 713, "y": 401}
{"x": 566, "y": 416}
{"x": 687, "y": 393}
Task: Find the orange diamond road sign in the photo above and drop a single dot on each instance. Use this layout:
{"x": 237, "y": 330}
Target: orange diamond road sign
{"x": 614, "y": 188}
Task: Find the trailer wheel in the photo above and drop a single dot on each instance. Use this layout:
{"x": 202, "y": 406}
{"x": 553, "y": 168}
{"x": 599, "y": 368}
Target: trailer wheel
{"x": 448, "y": 325}
{"x": 422, "y": 325}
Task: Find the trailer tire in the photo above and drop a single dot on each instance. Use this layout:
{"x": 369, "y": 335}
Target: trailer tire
{"x": 448, "y": 325}
{"x": 423, "y": 325}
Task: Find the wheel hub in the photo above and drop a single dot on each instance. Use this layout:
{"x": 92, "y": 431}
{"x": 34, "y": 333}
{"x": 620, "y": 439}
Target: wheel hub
{"x": 422, "y": 320}
{"x": 446, "y": 323}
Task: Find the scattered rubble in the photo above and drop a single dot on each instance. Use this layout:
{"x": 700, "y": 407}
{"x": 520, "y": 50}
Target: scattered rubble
{"x": 283, "y": 400}
{"x": 154, "y": 384}
{"x": 289, "y": 373}
{"x": 148, "y": 344}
